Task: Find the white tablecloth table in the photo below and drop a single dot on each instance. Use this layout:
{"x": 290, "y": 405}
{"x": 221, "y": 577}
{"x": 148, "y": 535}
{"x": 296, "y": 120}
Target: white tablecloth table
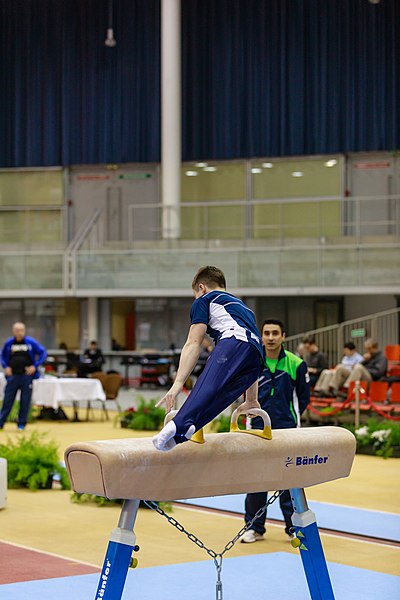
{"x": 54, "y": 391}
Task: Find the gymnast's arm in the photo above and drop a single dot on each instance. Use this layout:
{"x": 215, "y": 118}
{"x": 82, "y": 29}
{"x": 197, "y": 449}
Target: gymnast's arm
{"x": 251, "y": 398}
{"x": 189, "y": 357}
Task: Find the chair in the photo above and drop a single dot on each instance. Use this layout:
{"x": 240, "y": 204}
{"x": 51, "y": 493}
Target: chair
{"x": 99, "y": 375}
{"x": 364, "y": 387}
{"x": 392, "y": 353}
{"x": 378, "y": 391}
{"x": 112, "y": 385}
{"x": 394, "y": 396}
{"x": 102, "y": 378}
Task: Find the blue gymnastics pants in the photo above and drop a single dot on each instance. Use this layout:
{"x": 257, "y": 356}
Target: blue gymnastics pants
{"x": 232, "y": 367}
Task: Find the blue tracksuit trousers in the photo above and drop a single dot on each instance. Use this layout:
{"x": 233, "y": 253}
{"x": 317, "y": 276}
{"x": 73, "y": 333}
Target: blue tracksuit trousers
{"x": 15, "y": 383}
{"x": 257, "y": 500}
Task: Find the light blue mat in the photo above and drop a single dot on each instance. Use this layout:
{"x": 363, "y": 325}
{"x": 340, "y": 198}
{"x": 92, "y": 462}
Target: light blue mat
{"x": 261, "y": 576}
{"x": 329, "y": 516}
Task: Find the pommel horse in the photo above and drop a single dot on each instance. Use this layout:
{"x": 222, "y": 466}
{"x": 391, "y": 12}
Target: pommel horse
{"x": 227, "y": 463}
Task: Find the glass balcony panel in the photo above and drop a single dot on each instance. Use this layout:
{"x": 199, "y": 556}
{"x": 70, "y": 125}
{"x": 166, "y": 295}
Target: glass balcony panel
{"x": 380, "y": 266}
{"x": 31, "y": 271}
{"x": 339, "y": 267}
{"x": 259, "y": 269}
{"x": 299, "y": 268}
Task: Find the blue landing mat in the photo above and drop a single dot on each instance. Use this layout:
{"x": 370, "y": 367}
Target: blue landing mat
{"x": 329, "y": 516}
{"x": 260, "y": 576}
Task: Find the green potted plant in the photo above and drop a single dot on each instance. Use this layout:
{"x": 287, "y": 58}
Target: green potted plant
{"x": 222, "y": 423}
{"x": 378, "y": 437}
{"x": 146, "y": 417}
{"x": 32, "y": 462}
{"x": 78, "y": 498}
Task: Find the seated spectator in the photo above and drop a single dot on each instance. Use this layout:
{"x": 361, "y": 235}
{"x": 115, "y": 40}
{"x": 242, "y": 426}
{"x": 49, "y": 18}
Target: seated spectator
{"x": 372, "y": 368}
{"x": 325, "y": 383}
{"x": 116, "y": 346}
{"x": 91, "y": 361}
{"x": 315, "y": 360}
{"x": 300, "y": 351}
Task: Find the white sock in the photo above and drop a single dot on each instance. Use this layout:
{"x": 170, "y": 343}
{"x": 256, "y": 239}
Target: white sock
{"x": 190, "y": 432}
{"x": 164, "y": 441}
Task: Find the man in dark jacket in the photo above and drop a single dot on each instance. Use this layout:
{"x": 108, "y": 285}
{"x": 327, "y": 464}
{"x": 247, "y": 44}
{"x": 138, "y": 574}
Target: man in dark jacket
{"x": 20, "y": 357}
{"x": 92, "y": 360}
{"x": 372, "y": 368}
{"x": 284, "y": 392}
{"x": 315, "y": 359}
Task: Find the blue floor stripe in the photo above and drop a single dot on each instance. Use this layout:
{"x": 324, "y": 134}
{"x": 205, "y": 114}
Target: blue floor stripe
{"x": 330, "y": 516}
{"x": 259, "y": 576}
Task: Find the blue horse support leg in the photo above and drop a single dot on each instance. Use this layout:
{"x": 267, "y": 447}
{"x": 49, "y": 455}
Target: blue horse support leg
{"x": 311, "y": 551}
{"x": 118, "y": 556}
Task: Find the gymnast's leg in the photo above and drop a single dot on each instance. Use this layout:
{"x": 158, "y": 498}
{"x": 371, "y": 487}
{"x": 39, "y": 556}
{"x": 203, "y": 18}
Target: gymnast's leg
{"x": 233, "y": 367}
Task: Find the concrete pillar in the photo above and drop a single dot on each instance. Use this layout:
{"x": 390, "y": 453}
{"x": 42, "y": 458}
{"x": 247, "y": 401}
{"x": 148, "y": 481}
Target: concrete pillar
{"x": 104, "y": 324}
{"x": 88, "y": 314}
{"x": 170, "y": 117}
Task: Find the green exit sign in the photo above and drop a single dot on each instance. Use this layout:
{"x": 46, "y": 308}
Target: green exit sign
{"x": 135, "y": 176}
{"x": 355, "y": 333}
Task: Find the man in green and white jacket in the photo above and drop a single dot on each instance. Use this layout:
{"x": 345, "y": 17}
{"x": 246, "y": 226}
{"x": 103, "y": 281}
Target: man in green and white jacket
{"x": 284, "y": 392}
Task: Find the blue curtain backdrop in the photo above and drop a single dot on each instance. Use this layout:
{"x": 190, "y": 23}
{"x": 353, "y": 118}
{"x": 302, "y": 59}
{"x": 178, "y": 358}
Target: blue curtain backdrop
{"x": 260, "y": 78}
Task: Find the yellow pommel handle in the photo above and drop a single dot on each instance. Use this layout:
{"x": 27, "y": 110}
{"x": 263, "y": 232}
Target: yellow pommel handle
{"x": 265, "y": 433}
{"x": 197, "y": 437}
{"x": 133, "y": 563}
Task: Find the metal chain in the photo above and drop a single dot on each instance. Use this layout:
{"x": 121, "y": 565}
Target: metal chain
{"x": 216, "y": 556}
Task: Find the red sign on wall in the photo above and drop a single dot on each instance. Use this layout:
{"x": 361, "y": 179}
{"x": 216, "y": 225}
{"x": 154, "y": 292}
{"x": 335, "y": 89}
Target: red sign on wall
{"x": 371, "y": 165}
{"x": 92, "y": 177}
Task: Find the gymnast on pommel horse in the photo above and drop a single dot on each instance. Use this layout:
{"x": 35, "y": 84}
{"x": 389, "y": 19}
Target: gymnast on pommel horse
{"x": 232, "y": 368}
{"x": 227, "y": 463}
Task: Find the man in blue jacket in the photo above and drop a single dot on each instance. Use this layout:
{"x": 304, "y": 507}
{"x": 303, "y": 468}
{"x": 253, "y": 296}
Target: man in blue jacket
{"x": 20, "y": 357}
{"x": 284, "y": 392}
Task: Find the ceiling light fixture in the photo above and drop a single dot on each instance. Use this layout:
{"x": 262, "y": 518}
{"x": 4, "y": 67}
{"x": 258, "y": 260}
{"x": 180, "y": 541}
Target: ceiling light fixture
{"x": 331, "y": 163}
{"x": 256, "y": 170}
{"x": 110, "y": 40}
{"x": 268, "y": 165}
{"x": 191, "y": 173}
{"x": 210, "y": 169}
{"x": 297, "y": 174}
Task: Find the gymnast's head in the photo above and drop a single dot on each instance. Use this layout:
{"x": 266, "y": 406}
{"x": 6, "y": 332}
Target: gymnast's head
{"x": 208, "y": 279}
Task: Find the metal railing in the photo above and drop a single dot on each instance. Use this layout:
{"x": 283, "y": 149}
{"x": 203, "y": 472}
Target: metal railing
{"x": 383, "y": 327}
{"x": 274, "y": 222}
{"x": 39, "y": 271}
{"x": 90, "y": 235}
{"x": 288, "y": 244}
